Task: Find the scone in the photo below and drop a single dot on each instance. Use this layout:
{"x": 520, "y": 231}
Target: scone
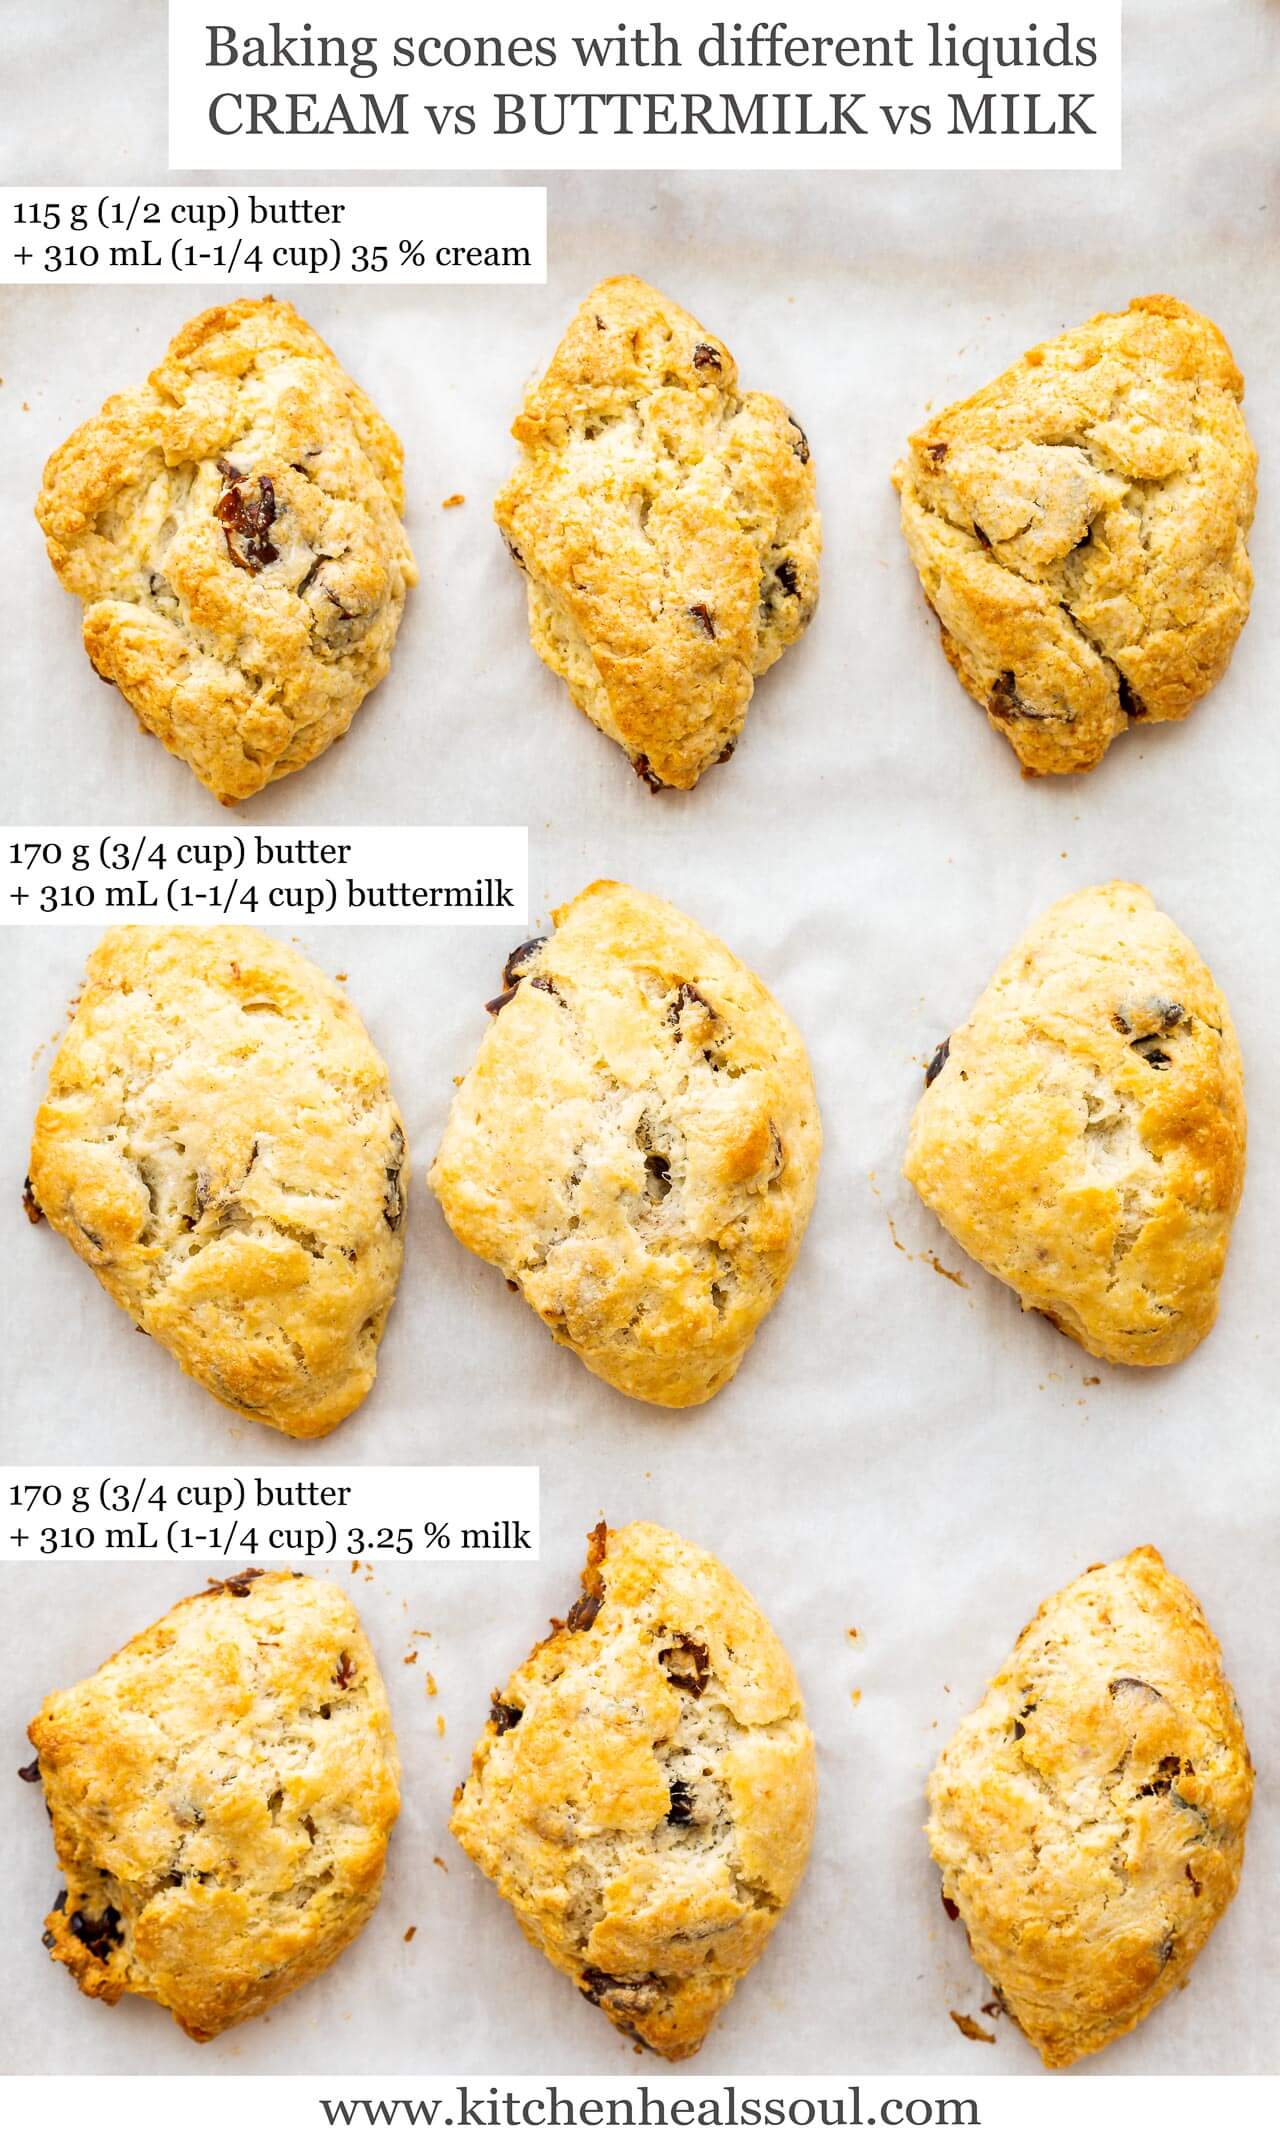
{"x": 1079, "y": 527}
{"x": 222, "y": 1792}
{"x": 233, "y": 530}
{"x": 668, "y": 528}
{"x": 220, "y": 1144}
{"x": 636, "y": 1147}
{"x": 1083, "y": 1134}
{"x": 1089, "y": 1817}
{"x": 643, "y": 1795}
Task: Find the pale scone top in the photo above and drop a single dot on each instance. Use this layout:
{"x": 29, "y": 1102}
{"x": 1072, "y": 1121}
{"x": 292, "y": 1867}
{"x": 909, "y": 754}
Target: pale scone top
{"x": 222, "y": 1791}
{"x": 233, "y": 530}
{"x": 1089, "y": 1817}
{"x": 667, "y": 524}
{"x": 1083, "y": 1133}
{"x": 644, "y": 1792}
{"x": 219, "y": 1142}
{"x": 1079, "y": 526}
{"x": 637, "y": 1144}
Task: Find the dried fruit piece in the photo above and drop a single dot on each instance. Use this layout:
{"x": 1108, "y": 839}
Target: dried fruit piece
{"x": 938, "y": 1062}
{"x": 249, "y": 516}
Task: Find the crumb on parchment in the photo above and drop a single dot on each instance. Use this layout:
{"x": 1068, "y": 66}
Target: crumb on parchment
{"x": 971, "y": 2028}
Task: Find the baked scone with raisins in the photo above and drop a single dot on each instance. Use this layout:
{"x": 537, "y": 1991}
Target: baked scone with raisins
{"x": 222, "y": 1792}
{"x": 219, "y": 1142}
{"x": 668, "y": 527}
{"x": 637, "y": 1145}
{"x": 1079, "y": 528}
{"x": 643, "y": 1795}
{"x": 233, "y": 530}
{"x": 1083, "y": 1134}
{"x": 1089, "y": 1817}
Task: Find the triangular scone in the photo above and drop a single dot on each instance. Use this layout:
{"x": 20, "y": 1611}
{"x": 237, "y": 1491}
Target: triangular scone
{"x": 637, "y": 1144}
{"x": 220, "y": 1144}
{"x": 1079, "y": 528}
{"x": 1089, "y": 1817}
{"x": 222, "y": 1791}
{"x": 1083, "y": 1133}
{"x": 643, "y": 1795}
{"x": 232, "y": 528}
{"x": 668, "y": 527}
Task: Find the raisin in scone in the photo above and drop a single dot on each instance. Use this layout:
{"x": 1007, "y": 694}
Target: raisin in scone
{"x": 1089, "y": 1817}
{"x": 219, "y": 1142}
{"x": 668, "y": 527}
{"x": 637, "y": 1145}
{"x": 1079, "y": 528}
{"x": 222, "y": 1792}
{"x": 643, "y": 1795}
{"x": 1083, "y": 1134}
{"x": 233, "y": 530}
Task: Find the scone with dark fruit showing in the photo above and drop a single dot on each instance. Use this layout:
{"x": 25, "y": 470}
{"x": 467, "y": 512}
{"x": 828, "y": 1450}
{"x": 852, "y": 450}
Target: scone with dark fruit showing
{"x": 222, "y": 1792}
{"x": 1079, "y": 528}
{"x": 1089, "y": 1817}
{"x": 668, "y": 527}
{"x": 233, "y": 529}
{"x": 643, "y": 1795}
{"x": 637, "y": 1145}
{"x": 220, "y": 1144}
{"x": 1082, "y": 1135}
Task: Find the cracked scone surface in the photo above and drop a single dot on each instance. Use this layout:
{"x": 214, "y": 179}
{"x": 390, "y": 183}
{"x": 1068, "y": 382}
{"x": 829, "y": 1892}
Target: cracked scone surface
{"x": 1089, "y": 1817}
{"x": 668, "y": 526}
{"x": 1079, "y": 528}
{"x": 643, "y": 1795}
{"x": 233, "y": 530}
{"x": 1082, "y": 1135}
{"x": 222, "y": 1792}
{"x": 637, "y": 1145}
{"x": 219, "y": 1143}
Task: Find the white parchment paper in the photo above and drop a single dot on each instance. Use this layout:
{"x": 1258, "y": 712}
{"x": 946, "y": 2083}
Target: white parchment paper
{"x": 901, "y": 1453}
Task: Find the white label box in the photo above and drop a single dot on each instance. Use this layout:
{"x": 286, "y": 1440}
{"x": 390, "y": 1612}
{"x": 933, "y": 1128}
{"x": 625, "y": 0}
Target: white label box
{"x": 192, "y": 876}
{"x": 691, "y": 85}
{"x": 264, "y": 236}
{"x": 238, "y": 1516}
{"x": 397, "y": 2097}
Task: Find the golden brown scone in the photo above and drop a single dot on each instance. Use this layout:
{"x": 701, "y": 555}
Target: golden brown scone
{"x": 220, "y": 1144}
{"x": 1089, "y": 1817}
{"x": 643, "y": 1795}
{"x": 233, "y": 530}
{"x": 668, "y": 527}
{"x": 222, "y": 1792}
{"x": 1083, "y": 1134}
{"x": 637, "y": 1144}
{"x": 1079, "y": 527}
